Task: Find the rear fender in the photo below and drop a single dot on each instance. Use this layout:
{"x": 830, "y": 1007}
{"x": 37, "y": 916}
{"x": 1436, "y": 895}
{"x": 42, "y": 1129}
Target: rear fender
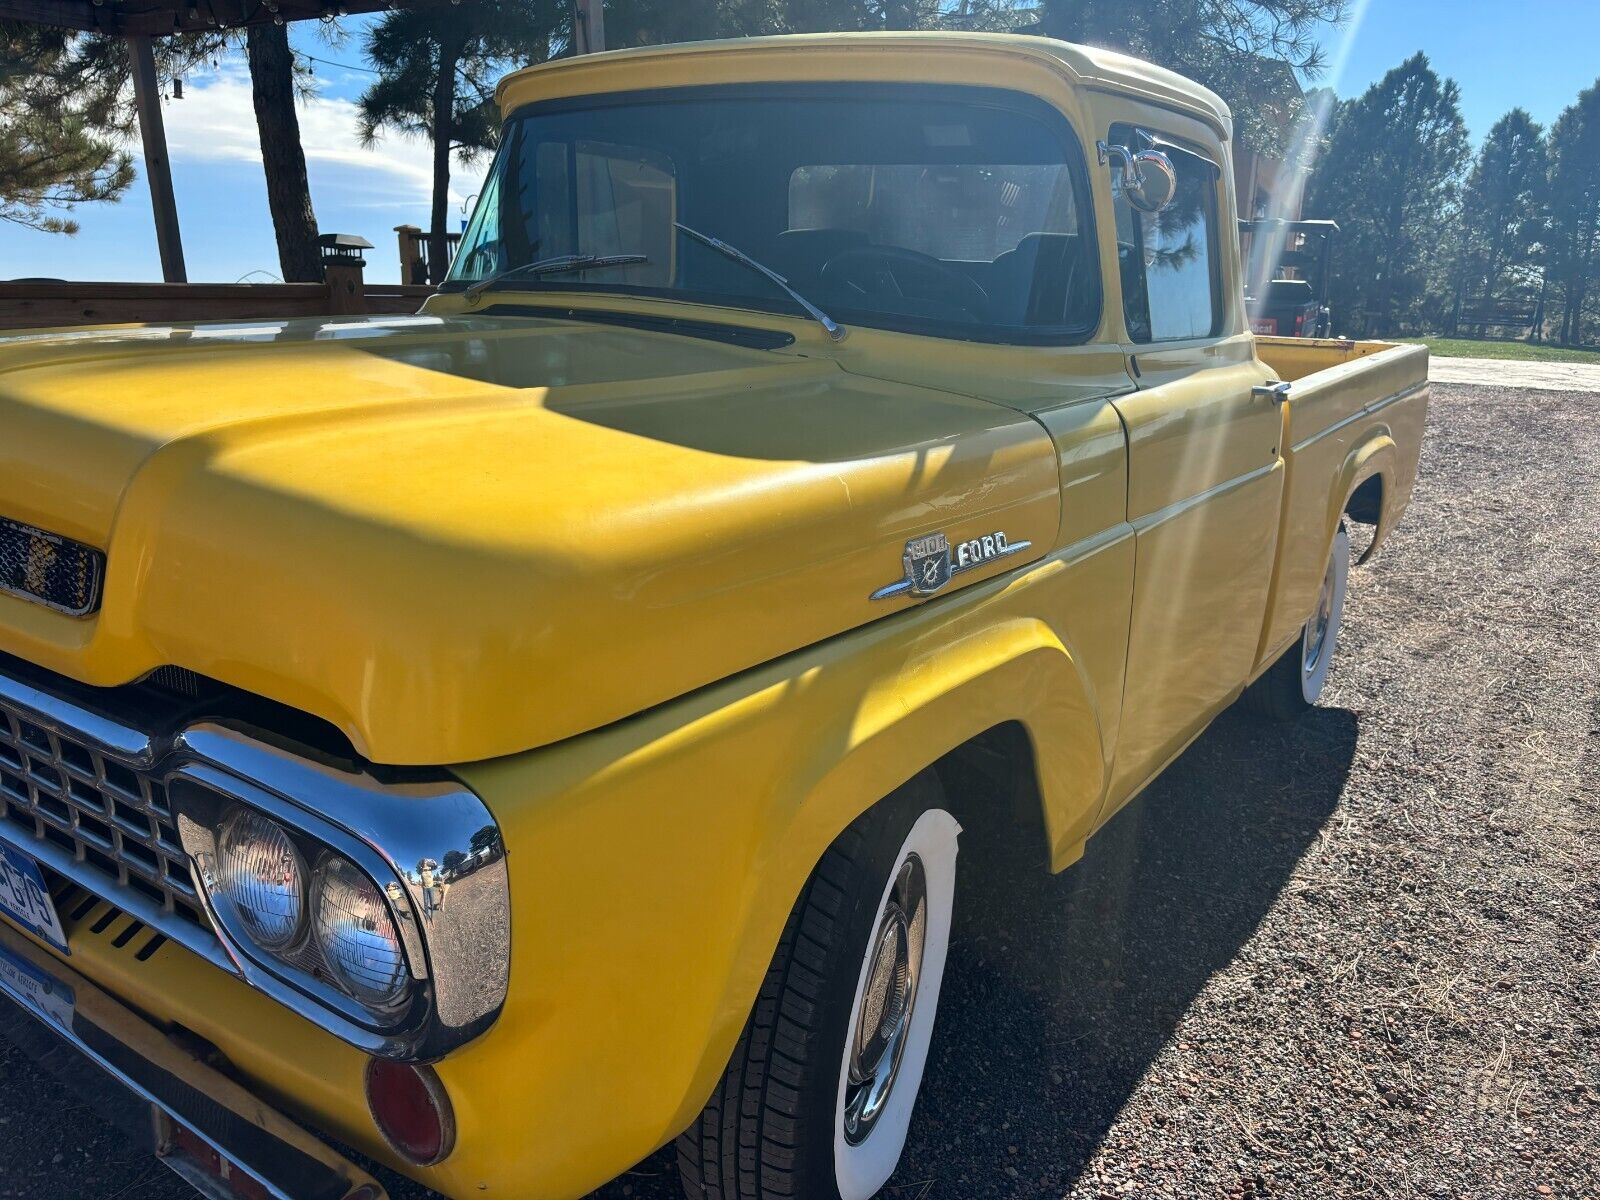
{"x": 1375, "y": 455}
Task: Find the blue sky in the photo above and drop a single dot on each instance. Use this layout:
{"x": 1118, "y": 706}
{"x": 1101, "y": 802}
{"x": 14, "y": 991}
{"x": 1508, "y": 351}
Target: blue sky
{"x": 1535, "y": 53}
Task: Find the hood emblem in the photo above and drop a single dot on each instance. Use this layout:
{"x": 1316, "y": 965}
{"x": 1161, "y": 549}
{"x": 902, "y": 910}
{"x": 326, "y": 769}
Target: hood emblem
{"x": 929, "y": 562}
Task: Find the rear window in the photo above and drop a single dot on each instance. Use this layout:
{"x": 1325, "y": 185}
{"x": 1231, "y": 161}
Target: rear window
{"x": 965, "y": 212}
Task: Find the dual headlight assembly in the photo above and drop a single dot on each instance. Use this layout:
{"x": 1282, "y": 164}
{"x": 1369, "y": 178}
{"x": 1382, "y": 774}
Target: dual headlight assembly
{"x": 308, "y": 907}
{"x": 377, "y": 909}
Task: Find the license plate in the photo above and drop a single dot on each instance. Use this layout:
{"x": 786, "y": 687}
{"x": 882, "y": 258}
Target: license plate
{"x": 26, "y": 900}
{"x": 48, "y": 997}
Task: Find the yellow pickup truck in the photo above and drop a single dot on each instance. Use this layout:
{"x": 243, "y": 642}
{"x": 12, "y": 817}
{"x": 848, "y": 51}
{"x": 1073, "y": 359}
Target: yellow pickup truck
{"x": 511, "y": 737}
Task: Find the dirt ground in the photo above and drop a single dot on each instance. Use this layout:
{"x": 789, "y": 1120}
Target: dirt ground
{"x": 1354, "y": 956}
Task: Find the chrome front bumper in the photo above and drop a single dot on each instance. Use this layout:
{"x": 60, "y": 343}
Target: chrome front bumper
{"x": 203, "y": 1125}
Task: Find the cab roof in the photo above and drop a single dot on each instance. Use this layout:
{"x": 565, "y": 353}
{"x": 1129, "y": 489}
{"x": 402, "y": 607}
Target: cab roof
{"x": 855, "y": 57}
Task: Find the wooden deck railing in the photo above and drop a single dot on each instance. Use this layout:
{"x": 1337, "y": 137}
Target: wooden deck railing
{"x": 416, "y": 259}
{"x": 38, "y": 305}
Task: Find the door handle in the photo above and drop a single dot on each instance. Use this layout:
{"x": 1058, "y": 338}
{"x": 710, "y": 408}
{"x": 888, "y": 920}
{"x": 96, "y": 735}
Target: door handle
{"x": 1276, "y": 392}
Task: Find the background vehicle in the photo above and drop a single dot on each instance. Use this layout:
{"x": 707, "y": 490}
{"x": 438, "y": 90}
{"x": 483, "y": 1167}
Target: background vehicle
{"x": 1286, "y": 305}
{"x": 511, "y": 737}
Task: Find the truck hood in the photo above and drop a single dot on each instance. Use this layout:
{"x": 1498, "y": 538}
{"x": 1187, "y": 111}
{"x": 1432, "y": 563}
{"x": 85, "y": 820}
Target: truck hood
{"x": 456, "y": 538}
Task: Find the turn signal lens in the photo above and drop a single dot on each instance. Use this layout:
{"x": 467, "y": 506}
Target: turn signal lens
{"x": 263, "y": 877}
{"x": 357, "y": 934}
{"x": 411, "y": 1109}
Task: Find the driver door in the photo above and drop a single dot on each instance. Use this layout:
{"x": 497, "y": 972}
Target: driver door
{"x": 1205, "y": 471}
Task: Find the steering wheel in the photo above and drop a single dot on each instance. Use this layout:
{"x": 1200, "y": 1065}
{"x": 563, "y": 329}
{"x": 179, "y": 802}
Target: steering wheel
{"x": 889, "y": 273}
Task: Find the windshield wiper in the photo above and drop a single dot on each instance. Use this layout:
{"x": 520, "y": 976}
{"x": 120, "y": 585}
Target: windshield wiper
{"x": 555, "y": 266}
{"x": 835, "y": 331}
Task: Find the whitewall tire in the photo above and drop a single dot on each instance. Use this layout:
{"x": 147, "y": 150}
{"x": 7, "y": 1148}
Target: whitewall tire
{"x": 1295, "y": 682}
{"x": 818, "y": 1097}
{"x": 876, "y": 1092}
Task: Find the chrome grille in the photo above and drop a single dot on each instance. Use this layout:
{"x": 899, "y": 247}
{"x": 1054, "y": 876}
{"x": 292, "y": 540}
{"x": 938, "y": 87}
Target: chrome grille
{"x": 113, "y": 820}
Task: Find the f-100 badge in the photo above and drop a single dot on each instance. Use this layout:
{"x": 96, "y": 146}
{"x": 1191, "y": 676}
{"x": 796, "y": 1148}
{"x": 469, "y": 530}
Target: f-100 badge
{"x": 930, "y": 562}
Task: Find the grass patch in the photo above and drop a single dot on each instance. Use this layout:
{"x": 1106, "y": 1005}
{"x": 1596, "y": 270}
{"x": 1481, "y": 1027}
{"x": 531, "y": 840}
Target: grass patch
{"x": 1527, "y": 351}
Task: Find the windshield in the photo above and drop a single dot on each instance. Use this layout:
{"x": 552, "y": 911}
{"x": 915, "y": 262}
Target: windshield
{"x": 952, "y": 211}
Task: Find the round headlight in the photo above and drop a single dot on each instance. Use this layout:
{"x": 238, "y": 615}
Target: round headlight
{"x": 357, "y": 935}
{"x": 263, "y": 878}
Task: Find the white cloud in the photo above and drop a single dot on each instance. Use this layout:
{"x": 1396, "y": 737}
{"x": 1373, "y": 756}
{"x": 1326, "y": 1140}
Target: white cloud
{"x": 216, "y": 122}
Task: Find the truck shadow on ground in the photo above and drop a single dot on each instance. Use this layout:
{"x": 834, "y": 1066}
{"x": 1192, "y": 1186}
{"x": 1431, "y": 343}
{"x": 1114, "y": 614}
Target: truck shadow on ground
{"x": 1062, "y": 990}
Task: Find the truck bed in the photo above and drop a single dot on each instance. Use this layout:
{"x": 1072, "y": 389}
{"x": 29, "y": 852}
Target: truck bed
{"x": 1352, "y": 432}
{"x": 1295, "y": 358}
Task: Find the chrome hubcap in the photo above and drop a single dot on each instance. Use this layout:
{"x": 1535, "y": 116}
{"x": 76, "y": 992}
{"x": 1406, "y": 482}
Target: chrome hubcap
{"x": 1316, "y": 643}
{"x": 881, "y": 1026}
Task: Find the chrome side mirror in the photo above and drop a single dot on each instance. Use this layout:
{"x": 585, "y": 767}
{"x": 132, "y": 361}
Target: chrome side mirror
{"x": 1146, "y": 178}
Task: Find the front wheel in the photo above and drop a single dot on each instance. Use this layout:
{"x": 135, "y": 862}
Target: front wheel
{"x": 817, "y": 1098}
{"x": 1296, "y": 681}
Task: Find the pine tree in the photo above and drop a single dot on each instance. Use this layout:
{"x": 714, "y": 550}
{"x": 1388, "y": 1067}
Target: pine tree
{"x": 272, "y": 92}
{"x": 1391, "y": 177}
{"x": 56, "y": 150}
{"x": 1241, "y": 49}
{"x": 67, "y": 114}
{"x": 1574, "y": 255}
{"x": 1503, "y": 209}
{"x": 437, "y": 68}
{"x": 654, "y": 22}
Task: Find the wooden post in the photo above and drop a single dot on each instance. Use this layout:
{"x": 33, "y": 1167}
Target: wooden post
{"x": 589, "y": 26}
{"x": 344, "y": 270}
{"x": 412, "y": 267}
{"x": 157, "y": 170}
{"x": 347, "y": 288}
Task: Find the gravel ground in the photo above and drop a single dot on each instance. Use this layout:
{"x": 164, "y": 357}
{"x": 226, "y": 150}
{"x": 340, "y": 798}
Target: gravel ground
{"x": 1577, "y": 376}
{"x": 1355, "y": 956}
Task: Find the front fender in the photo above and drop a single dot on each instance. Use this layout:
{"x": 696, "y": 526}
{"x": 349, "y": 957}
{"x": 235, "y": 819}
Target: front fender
{"x": 653, "y": 863}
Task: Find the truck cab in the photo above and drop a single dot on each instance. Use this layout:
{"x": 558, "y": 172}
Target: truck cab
{"x": 512, "y": 737}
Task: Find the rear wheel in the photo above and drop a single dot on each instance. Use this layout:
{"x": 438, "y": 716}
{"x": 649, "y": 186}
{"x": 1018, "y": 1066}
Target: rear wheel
{"x": 1296, "y": 681}
{"x": 817, "y": 1098}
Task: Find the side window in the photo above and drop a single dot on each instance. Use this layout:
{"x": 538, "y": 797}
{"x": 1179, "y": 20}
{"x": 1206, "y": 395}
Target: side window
{"x": 1170, "y": 266}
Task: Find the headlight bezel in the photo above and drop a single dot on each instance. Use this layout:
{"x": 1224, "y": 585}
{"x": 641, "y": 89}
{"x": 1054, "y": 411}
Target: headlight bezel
{"x": 376, "y": 825}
